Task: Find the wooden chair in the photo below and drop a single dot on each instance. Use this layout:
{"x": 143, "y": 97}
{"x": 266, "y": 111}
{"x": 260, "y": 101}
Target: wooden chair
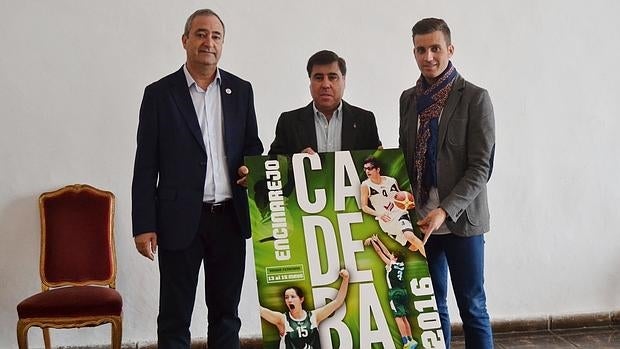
{"x": 77, "y": 265}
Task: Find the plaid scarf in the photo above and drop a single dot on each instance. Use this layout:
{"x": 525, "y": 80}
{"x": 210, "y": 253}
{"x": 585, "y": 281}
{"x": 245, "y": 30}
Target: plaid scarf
{"x": 430, "y": 102}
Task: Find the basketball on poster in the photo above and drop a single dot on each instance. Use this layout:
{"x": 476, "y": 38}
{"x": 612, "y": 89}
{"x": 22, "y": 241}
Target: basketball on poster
{"x": 337, "y": 259}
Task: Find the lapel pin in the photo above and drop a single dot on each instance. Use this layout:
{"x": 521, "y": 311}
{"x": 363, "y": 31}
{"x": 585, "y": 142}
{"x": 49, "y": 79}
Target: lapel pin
{"x": 228, "y": 91}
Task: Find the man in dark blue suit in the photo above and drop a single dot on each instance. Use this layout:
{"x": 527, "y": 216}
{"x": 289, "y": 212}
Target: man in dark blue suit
{"x": 188, "y": 191}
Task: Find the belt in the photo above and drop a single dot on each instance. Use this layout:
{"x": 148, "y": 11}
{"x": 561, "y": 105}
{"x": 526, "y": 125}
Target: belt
{"x": 217, "y": 207}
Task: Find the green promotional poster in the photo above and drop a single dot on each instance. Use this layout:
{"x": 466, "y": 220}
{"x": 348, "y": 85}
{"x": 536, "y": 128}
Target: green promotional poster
{"x": 339, "y": 263}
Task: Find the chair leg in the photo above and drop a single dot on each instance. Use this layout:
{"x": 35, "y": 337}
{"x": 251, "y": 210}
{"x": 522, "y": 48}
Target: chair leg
{"x": 22, "y": 334}
{"x": 117, "y": 332}
{"x": 46, "y": 337}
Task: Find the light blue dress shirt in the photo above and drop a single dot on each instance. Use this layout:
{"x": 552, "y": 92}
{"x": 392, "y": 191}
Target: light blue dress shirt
{"x": 328, "y": 133}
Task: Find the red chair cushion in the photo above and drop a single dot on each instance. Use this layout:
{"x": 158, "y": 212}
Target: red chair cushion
{"x": 73, "y": 301}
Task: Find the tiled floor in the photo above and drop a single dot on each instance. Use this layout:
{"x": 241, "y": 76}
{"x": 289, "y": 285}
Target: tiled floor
{"x": 591, "y": 338}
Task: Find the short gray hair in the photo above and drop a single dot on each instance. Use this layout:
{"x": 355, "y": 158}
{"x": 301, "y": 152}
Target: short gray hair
{"x": 201, "y": 12}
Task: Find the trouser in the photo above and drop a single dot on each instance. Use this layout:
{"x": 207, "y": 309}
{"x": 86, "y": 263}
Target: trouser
{"x": 219, "y": 245}
{"x": 463, "y": 257}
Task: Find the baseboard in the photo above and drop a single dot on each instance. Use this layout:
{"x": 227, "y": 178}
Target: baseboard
{"x": 541, "y": 323}
{"x": 550, "y": 322}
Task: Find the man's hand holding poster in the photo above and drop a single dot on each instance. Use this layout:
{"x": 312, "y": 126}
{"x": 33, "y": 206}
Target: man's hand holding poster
{"x": 339, "y": 262}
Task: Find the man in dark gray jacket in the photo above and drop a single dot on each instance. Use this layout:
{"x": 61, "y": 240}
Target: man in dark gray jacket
{"x": 328, "y": 123}
{"x": 447, "y": 132}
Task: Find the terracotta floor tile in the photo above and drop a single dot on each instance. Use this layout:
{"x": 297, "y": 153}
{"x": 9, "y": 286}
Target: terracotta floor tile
{"x": 603, "y": 338}
{"x": 532, "y": 340}
{"x": 459, "y": 343}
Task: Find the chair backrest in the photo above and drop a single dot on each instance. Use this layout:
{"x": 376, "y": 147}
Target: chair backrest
{"x": 77, "y": 237}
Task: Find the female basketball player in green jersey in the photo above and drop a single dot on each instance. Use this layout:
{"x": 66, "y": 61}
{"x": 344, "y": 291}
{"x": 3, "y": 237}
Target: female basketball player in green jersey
{"x": 298, "y": 328}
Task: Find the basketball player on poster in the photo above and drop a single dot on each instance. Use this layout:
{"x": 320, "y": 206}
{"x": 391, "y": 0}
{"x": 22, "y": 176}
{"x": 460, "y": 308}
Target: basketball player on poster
{"x": 382, "y": 198}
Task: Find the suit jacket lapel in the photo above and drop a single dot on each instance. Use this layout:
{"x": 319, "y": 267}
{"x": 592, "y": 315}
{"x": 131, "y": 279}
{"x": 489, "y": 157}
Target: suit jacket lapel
{"x": 349, "y": 127}
{"x": 227, "y": 95}
{"x": 449, "y": 108}
{"x": 307, "y": 130}
{"x": 183, "y": 100}
{"x": 412, "y": 130}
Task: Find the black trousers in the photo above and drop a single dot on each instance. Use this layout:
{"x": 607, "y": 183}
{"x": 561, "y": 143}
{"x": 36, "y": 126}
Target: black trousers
{"x": 219, "y": 245}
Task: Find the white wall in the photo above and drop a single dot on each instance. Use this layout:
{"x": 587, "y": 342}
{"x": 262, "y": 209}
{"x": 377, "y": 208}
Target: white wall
{"x": 72, "y": 75}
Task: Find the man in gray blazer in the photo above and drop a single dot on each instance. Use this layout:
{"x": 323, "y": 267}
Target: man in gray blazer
{"x": 447, "y": 133}
{"x": 328, "y": 123}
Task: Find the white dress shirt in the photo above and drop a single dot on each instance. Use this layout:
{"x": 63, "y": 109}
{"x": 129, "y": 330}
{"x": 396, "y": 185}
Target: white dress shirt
{"x": 208, "y": 106}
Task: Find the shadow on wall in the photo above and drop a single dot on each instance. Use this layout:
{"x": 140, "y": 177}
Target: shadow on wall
{"x": 20, "y": 236}
{"x": 613, "y": 292}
